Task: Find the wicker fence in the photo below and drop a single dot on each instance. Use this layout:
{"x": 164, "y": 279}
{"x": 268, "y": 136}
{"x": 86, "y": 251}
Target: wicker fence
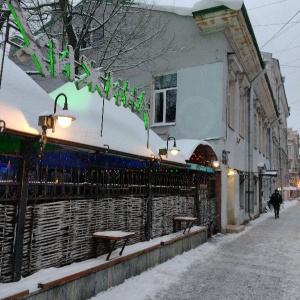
{"x": 69, "y": 199}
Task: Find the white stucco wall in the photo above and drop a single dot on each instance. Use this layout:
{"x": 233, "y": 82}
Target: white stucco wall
{"x": 199, "y": 102}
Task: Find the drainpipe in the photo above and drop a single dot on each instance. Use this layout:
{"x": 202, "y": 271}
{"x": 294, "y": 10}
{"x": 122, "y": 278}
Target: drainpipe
{"x": 250, "y": 191}
{"x": 271, "y": 150}
{"x": 271, "y": 155}
{"x": 280, "y": 157}
{"x": 279, "y": 138}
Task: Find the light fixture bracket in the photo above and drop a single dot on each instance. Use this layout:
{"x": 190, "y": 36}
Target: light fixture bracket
{"x": 46, "y": 122}
{"x": 163, "y": 151}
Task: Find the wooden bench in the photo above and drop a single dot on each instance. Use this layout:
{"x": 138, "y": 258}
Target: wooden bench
{"x": 112, "y": 236}
{"x": 189, "y": 221}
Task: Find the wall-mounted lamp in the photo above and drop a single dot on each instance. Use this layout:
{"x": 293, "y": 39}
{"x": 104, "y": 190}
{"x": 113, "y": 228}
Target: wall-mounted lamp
{"x": 231, "y": 172}
{"x": 174, "y": 150}
{"x": 63, "y": 117}
{"x": 215, "y": 164}
{"x": 2, "y": 126}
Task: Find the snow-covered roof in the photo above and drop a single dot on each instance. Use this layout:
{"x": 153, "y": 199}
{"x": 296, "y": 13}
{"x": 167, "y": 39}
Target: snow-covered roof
{"x": 122, "y": 130}
{"x": 22, "y": 101}
{"x": 187, "y": 7}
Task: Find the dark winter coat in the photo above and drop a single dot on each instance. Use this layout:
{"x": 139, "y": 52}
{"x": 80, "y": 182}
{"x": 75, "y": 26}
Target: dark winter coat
{"x": 276, "y": 199}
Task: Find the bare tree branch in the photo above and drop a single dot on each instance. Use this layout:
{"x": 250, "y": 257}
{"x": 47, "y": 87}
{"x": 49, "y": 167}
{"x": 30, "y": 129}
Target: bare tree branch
{"x": 115, "y": 34}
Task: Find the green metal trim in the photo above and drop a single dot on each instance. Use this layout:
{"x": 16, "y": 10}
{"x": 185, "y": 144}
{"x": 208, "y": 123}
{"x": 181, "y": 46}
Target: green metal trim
{"x": 250, "y": 28}
{"x": 278, "y": 65}
{"x": 247, "y": 20}
{"x": 251, "y": 31}
{"x": 209, "y": 10}
{"x": 272, "y": 95}
{"x": 200, "y": 168}
{"x": 9, "y": 144}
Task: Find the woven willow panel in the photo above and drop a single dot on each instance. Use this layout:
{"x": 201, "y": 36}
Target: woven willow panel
{"x": 6, "y": 241}
{"x": 58, "y": 233}
{"x": 165, "y": 208}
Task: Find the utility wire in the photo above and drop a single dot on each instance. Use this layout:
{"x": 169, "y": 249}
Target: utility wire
{"x": 266, "y": 5}
{"x": 280, "y": 29}
{"x": 275, "y": 24}
{"x": 287, "y": 49}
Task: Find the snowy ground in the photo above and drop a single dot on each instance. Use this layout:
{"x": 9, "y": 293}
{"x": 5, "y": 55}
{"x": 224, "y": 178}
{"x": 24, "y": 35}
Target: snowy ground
{"x": 146, "y": 284}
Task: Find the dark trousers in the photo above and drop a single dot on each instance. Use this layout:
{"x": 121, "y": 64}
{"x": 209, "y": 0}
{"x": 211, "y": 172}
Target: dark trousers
{"x": 276, "y": 209}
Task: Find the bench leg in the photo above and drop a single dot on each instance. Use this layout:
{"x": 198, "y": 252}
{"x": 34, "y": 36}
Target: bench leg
{"x": 174, "y": 226}
{"x": 191, "y": 226}
{"x": 110, "y": 249}
{"x": 186, "y": 227}
{"x": 123, "y": 246}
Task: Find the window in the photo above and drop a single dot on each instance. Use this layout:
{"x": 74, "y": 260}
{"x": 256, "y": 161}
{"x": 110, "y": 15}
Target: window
{"x": 267, "y": 143}
{"x": 260, "y": 135}
{"x": 242, "y": 114}
{"x": 256, "y": 131}
{"x": 231, "y": 104}
{"x": 165, "y": 96}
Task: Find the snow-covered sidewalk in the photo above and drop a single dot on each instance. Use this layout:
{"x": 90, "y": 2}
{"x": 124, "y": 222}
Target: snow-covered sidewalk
{"x": 149, "y": 284}
{"x": 146, "y": 285}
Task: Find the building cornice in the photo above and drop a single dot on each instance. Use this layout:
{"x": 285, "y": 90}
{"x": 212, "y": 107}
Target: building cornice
{"x": 237, "y": 27}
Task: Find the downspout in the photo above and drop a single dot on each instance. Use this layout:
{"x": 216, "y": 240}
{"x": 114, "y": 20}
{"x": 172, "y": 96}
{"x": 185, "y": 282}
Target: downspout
{"x": 279, "y": 137}
{"x": 271, "y": 150}
{"x": 271, "y": 154}
{"x": 250, "y": 191}
{"x": 280, "y": 157}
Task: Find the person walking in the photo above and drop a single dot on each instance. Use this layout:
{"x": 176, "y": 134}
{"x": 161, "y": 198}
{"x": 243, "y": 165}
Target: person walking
{"x": 276, "y": 200}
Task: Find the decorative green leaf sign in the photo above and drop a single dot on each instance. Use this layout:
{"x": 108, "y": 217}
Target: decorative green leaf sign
{"x": 64, "y": 63}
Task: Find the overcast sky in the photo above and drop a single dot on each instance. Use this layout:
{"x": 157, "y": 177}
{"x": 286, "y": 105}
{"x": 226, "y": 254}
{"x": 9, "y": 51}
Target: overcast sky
{"x": 276, "y": 24}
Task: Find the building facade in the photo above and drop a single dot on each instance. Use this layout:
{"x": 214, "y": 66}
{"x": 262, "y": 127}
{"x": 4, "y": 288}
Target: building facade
{"x": 213, "y": 84}
{"x": 216, "y": 85}
{"x": 292, "y": 175}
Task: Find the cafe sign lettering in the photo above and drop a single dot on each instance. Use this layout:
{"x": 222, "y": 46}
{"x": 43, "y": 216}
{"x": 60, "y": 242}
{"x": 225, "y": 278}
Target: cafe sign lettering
{"x": 64, "y": 63}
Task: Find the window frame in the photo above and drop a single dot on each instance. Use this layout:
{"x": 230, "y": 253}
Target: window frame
{"x": 164, "y": 92}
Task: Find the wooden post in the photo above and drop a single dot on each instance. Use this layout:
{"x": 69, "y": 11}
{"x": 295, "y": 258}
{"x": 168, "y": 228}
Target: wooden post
{"x": 198, "y": 197}
{"x": 28, "y": 157}
{"x": 148, "y": 203}
{"x": 218, "y": 190}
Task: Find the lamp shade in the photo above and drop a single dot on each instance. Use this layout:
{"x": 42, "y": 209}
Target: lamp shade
{"x": 64, "y": 118}
{"x": 174, "y": 151}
